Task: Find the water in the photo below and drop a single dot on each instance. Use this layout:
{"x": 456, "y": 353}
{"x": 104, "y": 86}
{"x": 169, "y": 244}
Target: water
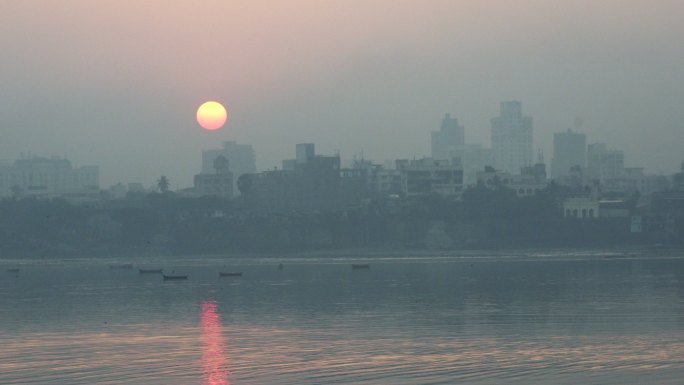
{"x": 546, "y": 319}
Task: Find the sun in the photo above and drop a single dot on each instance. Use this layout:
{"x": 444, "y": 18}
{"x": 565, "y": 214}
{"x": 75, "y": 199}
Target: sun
{"x": 211, "y": 115}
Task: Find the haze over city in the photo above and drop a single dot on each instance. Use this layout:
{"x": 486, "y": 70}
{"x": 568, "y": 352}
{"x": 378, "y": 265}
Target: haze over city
{"x": 117, "y": 84}
{"x": 353, "y": 192}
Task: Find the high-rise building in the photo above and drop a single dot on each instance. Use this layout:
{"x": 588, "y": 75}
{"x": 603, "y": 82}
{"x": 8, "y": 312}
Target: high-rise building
{"x": 449, "y": 137}
{"x": 512, "y": 138}
{"x": 603, "y": 163}
{"x": 305, "y": 152}
{"x": 569, "y": 150}
{"x": 240, "y": 157}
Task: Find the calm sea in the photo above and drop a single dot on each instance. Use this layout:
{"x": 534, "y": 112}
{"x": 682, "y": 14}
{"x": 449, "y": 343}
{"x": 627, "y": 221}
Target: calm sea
{"x": 556, "y": 318}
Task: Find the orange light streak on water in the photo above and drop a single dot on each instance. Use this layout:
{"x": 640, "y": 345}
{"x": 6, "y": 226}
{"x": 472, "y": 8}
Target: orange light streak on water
{"x": 214, "y": 357}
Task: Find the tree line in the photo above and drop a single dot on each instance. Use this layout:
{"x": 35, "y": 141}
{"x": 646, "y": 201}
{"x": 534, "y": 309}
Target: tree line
{"x": 165, "y": 223}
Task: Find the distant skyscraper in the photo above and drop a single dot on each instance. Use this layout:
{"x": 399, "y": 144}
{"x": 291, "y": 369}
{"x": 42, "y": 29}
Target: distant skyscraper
{"x": 569, "y": 149}
{"x": 305, "y": 152}
{"x": 240, "y": 157}
{"x": 448, "y": 139}
{"x": 512, "y": 138}
{"x": 603, "y": 163}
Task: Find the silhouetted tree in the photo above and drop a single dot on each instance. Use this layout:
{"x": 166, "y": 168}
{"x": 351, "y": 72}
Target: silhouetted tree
{"x": 480, "y": 202}
{"x": 163, "y": 184}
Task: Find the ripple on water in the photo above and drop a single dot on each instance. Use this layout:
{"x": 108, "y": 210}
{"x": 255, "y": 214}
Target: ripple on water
{"x": 404, "y": 323}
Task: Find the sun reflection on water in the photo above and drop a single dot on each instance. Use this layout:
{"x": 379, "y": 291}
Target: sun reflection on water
{"x": 214, "y": 357}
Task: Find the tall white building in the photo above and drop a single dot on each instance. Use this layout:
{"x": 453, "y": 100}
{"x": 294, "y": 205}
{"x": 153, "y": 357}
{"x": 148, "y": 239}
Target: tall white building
{"x": 512, "y": 138}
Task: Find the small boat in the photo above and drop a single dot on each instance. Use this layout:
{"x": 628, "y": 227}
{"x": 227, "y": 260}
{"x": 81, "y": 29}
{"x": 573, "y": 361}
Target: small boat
{"x": 230, "y": 274}
{"x": 174, "y": 277}
{"x": 13, "y": 270}
{"x": 120, "y": 265}
{"x": 150, "y": 271}
{"x": 360, "y": 266}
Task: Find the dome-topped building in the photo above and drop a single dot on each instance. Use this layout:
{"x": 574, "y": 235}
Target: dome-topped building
{"x": 221, "y": 164}
{"x": 220, "y": 183}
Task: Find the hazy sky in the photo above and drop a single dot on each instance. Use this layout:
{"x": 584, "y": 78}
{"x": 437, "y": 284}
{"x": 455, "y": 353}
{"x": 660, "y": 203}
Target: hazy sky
{"x": 117, "y": 83}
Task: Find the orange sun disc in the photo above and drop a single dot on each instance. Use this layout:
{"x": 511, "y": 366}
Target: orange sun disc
{"x": 211, "y": 115}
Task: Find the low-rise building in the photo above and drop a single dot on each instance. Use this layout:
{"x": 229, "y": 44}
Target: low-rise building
{"x": 430, "y": 176}
{"x": 313, "y": 185}
{"x": 529, "y": 183}
{"x": 581, "y": 207}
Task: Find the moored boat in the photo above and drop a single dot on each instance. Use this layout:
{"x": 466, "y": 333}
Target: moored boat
{"x": 174, "y": 277}
{"x": 230, "y": 274}
{"x": 12, "y": 270}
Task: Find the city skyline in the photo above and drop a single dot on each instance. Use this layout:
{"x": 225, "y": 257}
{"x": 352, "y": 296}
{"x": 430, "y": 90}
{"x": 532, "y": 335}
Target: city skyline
{"x": 118, "y": 84}
{"x": 465, "y": 150}
{"x": 355, "y": 192}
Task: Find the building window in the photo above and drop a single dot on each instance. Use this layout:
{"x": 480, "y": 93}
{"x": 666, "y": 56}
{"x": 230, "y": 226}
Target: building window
{"x": 591, "y": 213}
{"x": 584, "y": 213}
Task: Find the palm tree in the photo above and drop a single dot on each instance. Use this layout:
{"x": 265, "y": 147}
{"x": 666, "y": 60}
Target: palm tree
{"x": 163, "y": 184}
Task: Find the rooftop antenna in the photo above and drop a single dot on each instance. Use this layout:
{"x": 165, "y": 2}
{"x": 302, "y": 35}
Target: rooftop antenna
{"x": 540, "y": 156}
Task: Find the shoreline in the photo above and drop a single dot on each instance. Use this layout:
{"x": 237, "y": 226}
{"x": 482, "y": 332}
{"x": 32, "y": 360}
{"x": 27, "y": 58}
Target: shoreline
{"x": 537, "y": 252}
